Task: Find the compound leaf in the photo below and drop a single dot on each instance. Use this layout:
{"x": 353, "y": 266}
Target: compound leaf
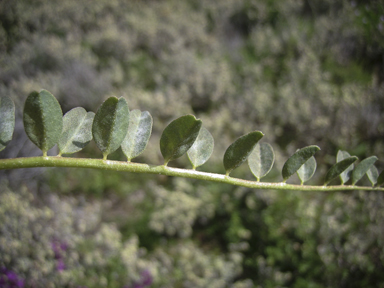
{"x": 261, "y": 160}
{"x": 43, "y": 119}
{"x": 202, "y": 149}
{"x": 110, "y": 125}
{"x": 380, "y": 179}
{"x": 139, "y": 131}
{"x": 373, "y": 174}
{"x": 239, "y": 150}
{"x": 344, "y": 176}
{"x": 77, "y": 130}
{"x": 7, "y": 120}
{"x": 307, "y": 170}
{"x": 297, "y": 160}
{"x": 362, "y": 168}
{"x": 338, "y": 168}
{"x": 178, "y": 137}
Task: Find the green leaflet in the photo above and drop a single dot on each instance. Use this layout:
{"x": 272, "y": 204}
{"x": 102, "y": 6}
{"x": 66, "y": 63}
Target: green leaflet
{"x": 307, "y": 170}
{"x": 380, "y": 179}
{"x": 239, "y": 150}
{"x": 110, "y": 125}
{"x": 202, "y": 149}
{"x": 344, "y": 176}
{"x": 7, "y": 120}
{"x": 77, "y": 130}
{"x": 261, "y": 160}
{"x": 43, "y": 119}
{"x": 139, "y": 131}
{"x": 362, "y": 168}
{"x": 338, "y": 168}
{"x": 373, "y": 174}
{"x": 297, "y": 160}
{"x": 178, "y": 137}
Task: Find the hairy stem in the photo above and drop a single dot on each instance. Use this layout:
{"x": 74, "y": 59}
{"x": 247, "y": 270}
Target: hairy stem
{"x": 55, "y": 161}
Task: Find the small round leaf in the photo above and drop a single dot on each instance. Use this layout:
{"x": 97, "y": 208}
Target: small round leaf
{"x": 7, "y": 120}
{"x": 373, "y": 174}
{"x": 380, "y": 179}
{"x": 338, "y": 168}
{"x": 139, "y": 131}
{"x": 110, "y": 125}
{"x": 344, "y": 176}
{"x": 202, "y": 149}
{"x": 43, "y": 119}
{"x": 261, "y": 160}
{"x": 297, "y": 160}
{"x": 362, "y": 168}
{"x": 178, "y": 137}
{"x": 77, "y": 130}
{"x": 307, "y": 170}
{"x": 239, "y": 150}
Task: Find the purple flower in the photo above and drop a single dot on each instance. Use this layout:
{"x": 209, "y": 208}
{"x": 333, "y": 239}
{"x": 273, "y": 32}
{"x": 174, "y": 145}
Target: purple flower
{"x": 59, "y": 249}
{"x": 146, "y": 280}
{"x": 60, "y": 266}
{"x": 9, "y": 279}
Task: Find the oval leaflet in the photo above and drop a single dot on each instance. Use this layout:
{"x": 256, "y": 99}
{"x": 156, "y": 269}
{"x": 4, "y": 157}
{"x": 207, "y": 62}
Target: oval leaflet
{"x": 7, "y": 121}
{"x": 43, "y": 119}
{"x": 178, "y": 137}
{"x": 239, "y": 150}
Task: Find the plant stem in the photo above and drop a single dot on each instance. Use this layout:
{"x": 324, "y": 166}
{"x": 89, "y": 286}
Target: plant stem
{"x": 122, "y": 166}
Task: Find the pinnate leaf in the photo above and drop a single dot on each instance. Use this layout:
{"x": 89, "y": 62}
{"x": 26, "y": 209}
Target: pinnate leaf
{"x": 362, "y": 168}
{"x": 239, "y": 150}
{"x": 307, "y": 170}
{"x": 338, "y": 168}
{"x": 261, "y": 160}
{"x": 297, "y": 160}
{"x": 179, "y": 136}
{"x": 77, "y": 130}
{"x": 373, "y": 174}
{"x": 344, "y": 176}
{"x": 202, "y": 149}
{"x": 7, "y": 120}
{"x": 110, "y": 125}
{"x": 43, "y": 119}
{"x": 139, "y": 131}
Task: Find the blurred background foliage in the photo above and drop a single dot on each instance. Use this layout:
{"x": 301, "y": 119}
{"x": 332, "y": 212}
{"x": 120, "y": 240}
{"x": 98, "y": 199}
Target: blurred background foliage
{"x": 302, "y": 71}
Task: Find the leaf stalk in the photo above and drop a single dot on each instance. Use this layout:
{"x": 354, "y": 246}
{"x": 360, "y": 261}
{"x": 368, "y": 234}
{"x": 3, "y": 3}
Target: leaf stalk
{"x": 122, "y": 166}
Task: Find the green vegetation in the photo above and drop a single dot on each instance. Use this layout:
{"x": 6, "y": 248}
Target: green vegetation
{"x": 303, "y": 72}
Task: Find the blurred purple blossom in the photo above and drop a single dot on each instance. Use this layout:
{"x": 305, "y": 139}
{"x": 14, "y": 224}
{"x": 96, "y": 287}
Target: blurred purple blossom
{"x": 146, "y": 280}
{"x": 9, "y": 279}
{"x": 59, "y": 249}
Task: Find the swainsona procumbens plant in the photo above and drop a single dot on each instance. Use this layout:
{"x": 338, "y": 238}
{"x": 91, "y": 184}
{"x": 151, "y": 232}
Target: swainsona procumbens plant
{"x": 114, "y": 126}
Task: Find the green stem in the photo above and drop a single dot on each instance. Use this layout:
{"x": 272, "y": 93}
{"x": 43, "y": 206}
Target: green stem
{"x": 122, "y": 166}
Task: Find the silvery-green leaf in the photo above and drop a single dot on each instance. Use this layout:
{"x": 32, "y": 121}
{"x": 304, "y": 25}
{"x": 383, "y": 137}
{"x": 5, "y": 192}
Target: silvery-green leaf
{"x": 380, "y": 179}
{"x": 362, "y": 168}
{"x": 202, "y": 149}
{"x": 297, "y": 160}
{"x": 139, "y": 131}
{"x": 373, "y": 174}
{"x": 178, "y": 137}
{"x": 307, "y": 170}
{"x": 338, "y": 168}
{"x": 344, "y": 176}
{"x": 77, "y": 130}
{"x": 110, "y": 125}
{"x": 261, "y": 160}
{"x": 7, "y": 120}
{"x": 239, "y": 150}
{"x": 43, "y": 119}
